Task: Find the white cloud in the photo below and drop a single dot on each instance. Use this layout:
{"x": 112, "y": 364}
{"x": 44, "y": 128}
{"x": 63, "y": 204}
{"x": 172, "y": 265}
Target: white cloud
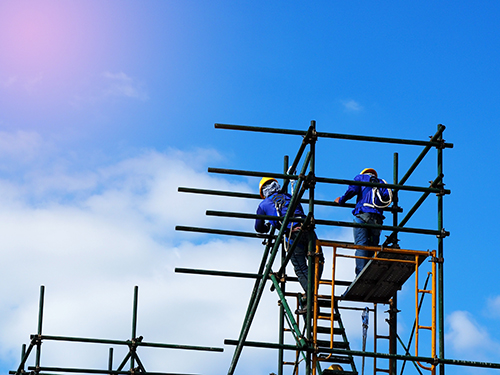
{"x": 27, "y": 83}
{"x": 468, "y": 339}
{"x": 21, "y": 145}
{"x": 120, "y": 84}
{"x": 351, "y": 105}
{"x": 494, "y": 307}
{"x": 117, "y": 231}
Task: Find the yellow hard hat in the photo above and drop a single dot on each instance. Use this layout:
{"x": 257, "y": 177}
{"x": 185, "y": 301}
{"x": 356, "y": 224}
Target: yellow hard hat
{"x": 369, "y": 170}
{"x": 263, "y": 182}
{"x": 335, "y": 367}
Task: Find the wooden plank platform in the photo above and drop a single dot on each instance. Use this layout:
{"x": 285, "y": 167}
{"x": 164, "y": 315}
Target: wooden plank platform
{"x": 380, "y": 280}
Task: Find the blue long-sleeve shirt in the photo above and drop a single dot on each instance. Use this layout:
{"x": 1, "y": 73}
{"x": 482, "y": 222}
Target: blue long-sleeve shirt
{"x": 363, "y": 195}
{"x": 268, "y": 207}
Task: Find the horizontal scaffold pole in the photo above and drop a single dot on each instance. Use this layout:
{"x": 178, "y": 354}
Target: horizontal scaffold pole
{"x": 261, "y": 129}
{"x": 40, "y": 370}
{"x": 218, "y": 273}
{"x": 430, "y": 360}
{"x": 244, "y": 275}
{"x": 128, "y": 343}
{"x": 225, "y": 193}
{"x": 432, "y": 232}
{"x": 222, "y": 232}
{"x": 328, "y": 180}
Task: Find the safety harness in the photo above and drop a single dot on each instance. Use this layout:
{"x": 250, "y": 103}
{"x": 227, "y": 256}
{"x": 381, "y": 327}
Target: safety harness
{"x": 377, "y": 195}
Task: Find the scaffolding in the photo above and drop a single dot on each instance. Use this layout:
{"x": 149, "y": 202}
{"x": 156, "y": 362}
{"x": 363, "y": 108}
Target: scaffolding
{"x": 319, "y": 337}
{"x": 378, "y": 283}
{"x": 130, "y": 364}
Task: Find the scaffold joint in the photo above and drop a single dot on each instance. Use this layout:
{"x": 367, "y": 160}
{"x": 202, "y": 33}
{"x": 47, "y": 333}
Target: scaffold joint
{"x": 437, "y": 260}
{"x": 309, "y": 181}
{"x": 442, "y": 192}
{"x": 443, "y": 233}
{"x": 311, "y": 138}
{"x": 36, "y": 340}
{"x": 441, "y": 145}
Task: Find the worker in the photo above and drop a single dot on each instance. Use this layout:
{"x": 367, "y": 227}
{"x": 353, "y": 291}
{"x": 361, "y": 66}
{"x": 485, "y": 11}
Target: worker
{"x": 369, "y": 204}
{"x": 275, "y": 203}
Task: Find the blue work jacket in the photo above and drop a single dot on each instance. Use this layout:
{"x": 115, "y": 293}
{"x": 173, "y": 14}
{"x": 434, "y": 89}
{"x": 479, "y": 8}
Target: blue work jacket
{"x": 364, "y": 195}
{"x": 268, "y": 207}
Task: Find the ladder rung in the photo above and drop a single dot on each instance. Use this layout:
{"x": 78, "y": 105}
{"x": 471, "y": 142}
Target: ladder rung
{"x": 425, "y": 291}
{"x": 335, "y": 359}
{"x": 335, "y": 344}
{"x": 326, "y": 330}
{"x": 382, "y": 370}
{"x": 424, "y": 327}
{"x": 382, "y": 337}
{"x": 328, "y": 316}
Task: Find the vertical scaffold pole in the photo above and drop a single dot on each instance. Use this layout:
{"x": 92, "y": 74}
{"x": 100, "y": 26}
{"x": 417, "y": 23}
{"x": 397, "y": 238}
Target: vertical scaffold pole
{"x": 393, "y": 309}
{"x": 255, "y": 299}
{"x": 134, "y": 323}
{"x": 311, "y": 248}
{"x": 40, "y": 320}
{"x": 440, "y": 258}
{"x": 281, "y": 338}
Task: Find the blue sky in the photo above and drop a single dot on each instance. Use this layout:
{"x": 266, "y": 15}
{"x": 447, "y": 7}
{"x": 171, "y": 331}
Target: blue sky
{"x": 106, "y": 107}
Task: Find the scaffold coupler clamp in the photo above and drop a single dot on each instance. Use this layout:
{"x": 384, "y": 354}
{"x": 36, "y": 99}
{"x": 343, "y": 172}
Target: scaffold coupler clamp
{"x": 443, "y": 233}
{"x": 309, "y": 181}
{"x": 311, "y": 138}
{"x": 442, "y": 192}
{"x": 391, "y": 240}
{"x": 437, "y": 260}
{"x": 309, "y": 226}
{"x": 442, "y": 144}
{"x": 36, "y": 340}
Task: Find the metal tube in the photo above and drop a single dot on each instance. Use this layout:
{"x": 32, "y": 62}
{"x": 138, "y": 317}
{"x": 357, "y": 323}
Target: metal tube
{"x": 393, "y": 308}
{"x": 281, "y": 331}
{"x": 434, "y": 138}
{"x": 134, "y": 323}
{"x": 311, "y": 252}
{"x": 223, "y": 232}
{"x": 325, "y": 222}
{"x": 96, "y": 371}
{"x": 440, "y": 264}
{"x": 296, "y": 161}
{"x": 218, "y": 273}
{"x": 415, "y": 207}
{"x": 263, "y": 262}
{"x": 110, "y": 359}
{"x": 381, "y": 227}
{"x": 376, "y": 184}
{"x": 128, "y": 343}
{"x": 40, "y": 320}
{"x": 294, "y": 326}
{"x": 331, "y": 135}
{"x": 256, "y": 196}
{"x": 253, "y": 307}
{"x": 338, "y": 181}
{"x": 456, "y": 362}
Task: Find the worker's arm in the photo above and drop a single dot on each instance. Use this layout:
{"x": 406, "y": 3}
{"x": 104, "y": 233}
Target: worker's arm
{"x": 260, "y": 224}
{"x": 351, "y": 191}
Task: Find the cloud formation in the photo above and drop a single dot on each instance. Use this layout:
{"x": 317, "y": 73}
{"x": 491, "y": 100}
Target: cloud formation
{"x": 468, "y": 339}
{"x": 351, "y": 105}
{"x": 121, "y": 85}
{"x": 110, "y": 229}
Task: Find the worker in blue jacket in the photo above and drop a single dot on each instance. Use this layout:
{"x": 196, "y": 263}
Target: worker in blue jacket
{"x": 369, "y": 204}
{"x": 275, "y": 203}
